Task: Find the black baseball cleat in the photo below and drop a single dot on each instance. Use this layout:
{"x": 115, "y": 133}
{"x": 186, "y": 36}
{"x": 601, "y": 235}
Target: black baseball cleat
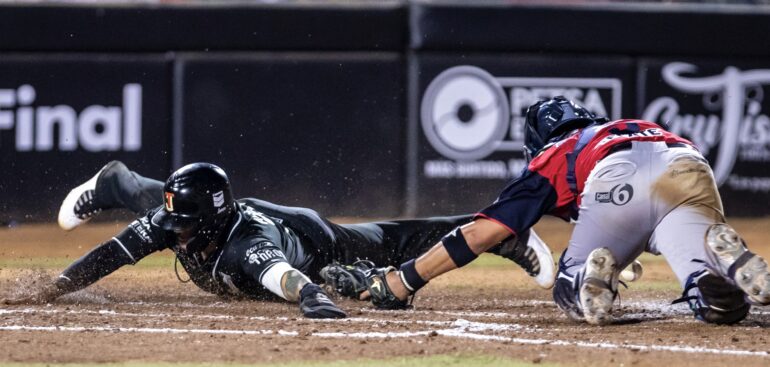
{"x": 82, "y": 203}
{"x": 315, "y": 304}
{"x": 532, "y": 254}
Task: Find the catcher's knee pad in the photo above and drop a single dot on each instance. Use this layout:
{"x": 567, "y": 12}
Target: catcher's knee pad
{"x": 731, "y": 258}
{"x": 714, "y": 300}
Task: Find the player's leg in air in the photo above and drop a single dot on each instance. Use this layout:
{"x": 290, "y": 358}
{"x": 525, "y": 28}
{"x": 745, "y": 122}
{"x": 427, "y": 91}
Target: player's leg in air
{"x": 367, "y": 246}
{"x": 662, "y": 200}
{"x": 114, "y": 186}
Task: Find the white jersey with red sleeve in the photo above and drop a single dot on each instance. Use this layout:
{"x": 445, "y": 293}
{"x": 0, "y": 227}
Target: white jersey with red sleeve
{"x": 556, "y": 176}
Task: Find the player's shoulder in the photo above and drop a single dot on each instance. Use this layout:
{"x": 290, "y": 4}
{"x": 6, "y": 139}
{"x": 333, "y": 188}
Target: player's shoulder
{"x": 147, "y": 230}
{"x": 637, "y": 121}
{"x": 249, "y": 222}
{"x": 555, "y": 151}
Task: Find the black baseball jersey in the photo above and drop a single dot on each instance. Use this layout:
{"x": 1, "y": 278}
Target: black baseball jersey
{"x": 259, "y": 235}
{"x": 254, "y": 242}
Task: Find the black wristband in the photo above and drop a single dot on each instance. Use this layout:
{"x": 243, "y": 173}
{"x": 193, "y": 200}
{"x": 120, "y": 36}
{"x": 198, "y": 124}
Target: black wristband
{"x": 410, "y": 277}
{"x": 457, "y": 248}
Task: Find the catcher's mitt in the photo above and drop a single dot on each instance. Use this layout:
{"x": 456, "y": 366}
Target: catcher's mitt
{"x": 352, "y": 280}
{"x": 382, "y": 297}
{"x": 347, "y": 280}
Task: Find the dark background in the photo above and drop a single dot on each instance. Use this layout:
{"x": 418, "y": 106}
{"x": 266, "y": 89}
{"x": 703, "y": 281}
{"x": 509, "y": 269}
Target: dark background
{"x": 318, "y": 104}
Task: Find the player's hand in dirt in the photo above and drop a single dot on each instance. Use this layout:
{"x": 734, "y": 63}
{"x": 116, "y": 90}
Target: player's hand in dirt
{"x": 315, "y": 304}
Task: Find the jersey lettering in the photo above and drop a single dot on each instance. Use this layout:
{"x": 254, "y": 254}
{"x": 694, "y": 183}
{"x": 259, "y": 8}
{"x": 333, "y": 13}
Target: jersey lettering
{"x": 624, "y": 134}
{"x": 258, "y": 217}
{"x": 141, "y": 227}
{"x": 263, "y": 253}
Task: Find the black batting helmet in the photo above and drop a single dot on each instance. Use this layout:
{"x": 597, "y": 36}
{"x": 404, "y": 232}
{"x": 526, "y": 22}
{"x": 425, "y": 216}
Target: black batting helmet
{"x": 548, "y": 119}
{"x": 198, "y": 198}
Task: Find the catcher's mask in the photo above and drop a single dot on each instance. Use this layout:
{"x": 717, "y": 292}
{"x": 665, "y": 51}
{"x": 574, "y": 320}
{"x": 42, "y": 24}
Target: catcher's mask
{"x": 198, "y": 203}
{"x": 548, "y": 119}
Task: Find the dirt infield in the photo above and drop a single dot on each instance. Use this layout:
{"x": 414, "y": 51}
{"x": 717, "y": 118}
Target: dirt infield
{"x": 143, "y": 313}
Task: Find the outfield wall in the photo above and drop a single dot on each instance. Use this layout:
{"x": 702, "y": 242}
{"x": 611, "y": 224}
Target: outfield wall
{"x": 380, "y": 109}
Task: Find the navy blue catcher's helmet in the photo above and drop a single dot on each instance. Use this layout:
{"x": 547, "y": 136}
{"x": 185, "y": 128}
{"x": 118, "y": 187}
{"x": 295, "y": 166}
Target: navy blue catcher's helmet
{"x": 548, "y": 119}
{"x": 197, "y": 198}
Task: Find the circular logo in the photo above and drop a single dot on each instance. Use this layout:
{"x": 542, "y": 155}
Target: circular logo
{"x": 465, "y": 113}
{"x": 621, "y": 195}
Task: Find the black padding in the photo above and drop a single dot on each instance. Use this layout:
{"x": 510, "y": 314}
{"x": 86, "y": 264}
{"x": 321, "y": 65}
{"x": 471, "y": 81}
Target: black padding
{"x": 458, "y": 249}
{"x": 564, "y": 295}
{"x": 721, "y": 302}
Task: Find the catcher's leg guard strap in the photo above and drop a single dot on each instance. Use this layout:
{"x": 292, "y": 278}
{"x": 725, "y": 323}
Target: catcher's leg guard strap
{"x": 458, "y": 248}
{"x": 410, "y": 277}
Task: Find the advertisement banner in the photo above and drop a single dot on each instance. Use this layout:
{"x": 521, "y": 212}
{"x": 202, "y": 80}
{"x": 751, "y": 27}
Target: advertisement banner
{"x": 721, "y": 107}
{"x": 64, "y": 117}
{"x": 470, "y": 126}
{"x": 319, "y": 130}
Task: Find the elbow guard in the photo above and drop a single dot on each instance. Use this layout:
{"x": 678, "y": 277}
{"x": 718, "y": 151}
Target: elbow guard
{"x": 457, "y": 248}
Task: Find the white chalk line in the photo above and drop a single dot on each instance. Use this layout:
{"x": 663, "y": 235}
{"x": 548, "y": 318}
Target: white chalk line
{"x": 656, "y": 309}
{"x": 660, "y": 309}
{"x": 373, "y": 322}
{"x": 458, "y": 328}
{"x": 457, "y": 332}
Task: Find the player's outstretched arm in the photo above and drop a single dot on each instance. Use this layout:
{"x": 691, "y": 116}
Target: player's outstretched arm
{"x": 455, "y": 250}
{"x": 128, "y": 247}
{"x": 101, "y": 261}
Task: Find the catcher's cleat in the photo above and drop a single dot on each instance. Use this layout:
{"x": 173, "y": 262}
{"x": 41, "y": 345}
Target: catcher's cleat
{"x": 599, "y": 286}
{"x": 347, "y": 280}
{"x": 315, "y": 304}
{"x": 81, "y": 203}
{"x": 734, "y": 261}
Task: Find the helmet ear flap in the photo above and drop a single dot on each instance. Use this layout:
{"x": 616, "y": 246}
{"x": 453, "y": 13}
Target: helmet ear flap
{"x": 531, "y": 114}
{"x": 533, "y": 142}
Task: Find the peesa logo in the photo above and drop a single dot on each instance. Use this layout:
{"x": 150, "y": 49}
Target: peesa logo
{"x": 467, "y": 114}
{"x": 96, "y": 128}
{"x": 732, "y": 120}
